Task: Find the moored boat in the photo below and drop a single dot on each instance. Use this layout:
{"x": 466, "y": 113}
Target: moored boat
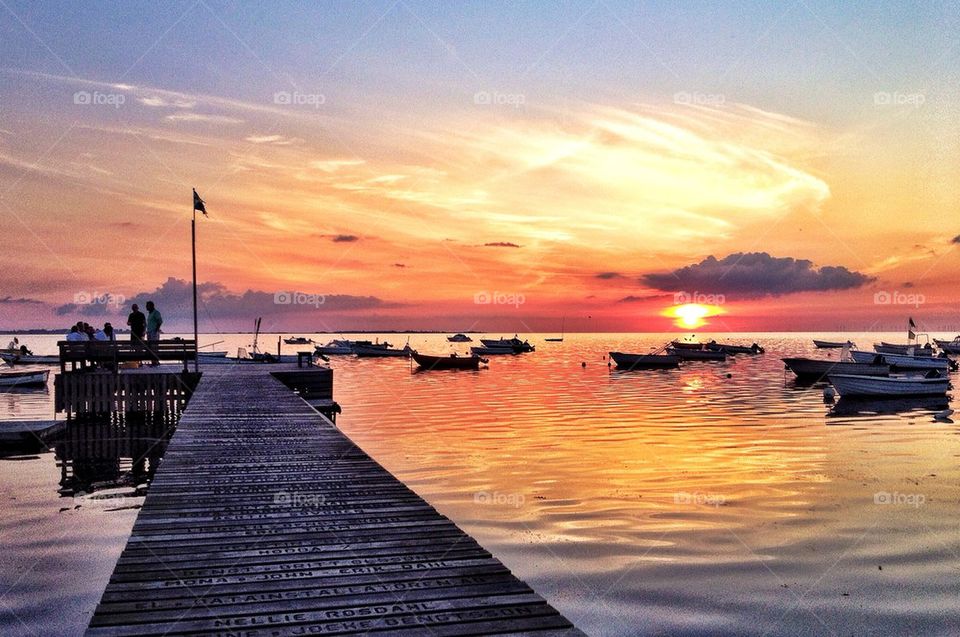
{"x": 732, "y": 349}
{"x": 376, "y": 351}
{"x": 493, "y": 351}
{"x": 515, "y": 343}
{"x": 904, "y": 348}
{"x": 626, "y": 360}
{"x": 16, "y": 358}
{"x": 447, "y": 362}
{"x": 689, "y": 345}
{"x": 888, "y": 386}
{"x": 950, "y": 347}
{"x": 832, "y": 344}
{"x": 903, "y": 362}
{"x": 25, "y": 378}
{"x": 459, "y": 338}
{"x": 298, "y": 340}
{"x": 815, "y": 369}
{"x": 697, "y": 354}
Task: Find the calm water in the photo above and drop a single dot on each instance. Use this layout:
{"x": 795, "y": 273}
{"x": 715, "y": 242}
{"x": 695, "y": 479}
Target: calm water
{"x": 666, "y": 502}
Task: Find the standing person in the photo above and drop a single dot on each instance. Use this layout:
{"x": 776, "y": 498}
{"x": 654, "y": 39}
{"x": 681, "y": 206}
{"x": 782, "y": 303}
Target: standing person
{"x": 154, "y": 321}
{"x": 138, "y": 324}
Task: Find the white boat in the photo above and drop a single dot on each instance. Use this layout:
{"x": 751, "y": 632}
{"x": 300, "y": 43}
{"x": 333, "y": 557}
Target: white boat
{"x": 335, "y": 348}
{"x": 16, "y": 358}
{"x": 904, "y": 348}
{"x": 25, "y": 378}
{"x": 626, "y": 360}
{"x": 811, "y": 369}
{"x": 377, "y": 351}
{"x": 888, "y": 386}
{"x": 459, "y": 338}
{"x": 518, "y": 345}
{"x": 904, "y": 362}
{"x": 832, "y": 344}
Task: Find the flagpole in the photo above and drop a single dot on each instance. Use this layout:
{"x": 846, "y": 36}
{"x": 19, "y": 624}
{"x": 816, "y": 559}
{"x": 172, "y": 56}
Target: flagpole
{"x": 193, "y": 242}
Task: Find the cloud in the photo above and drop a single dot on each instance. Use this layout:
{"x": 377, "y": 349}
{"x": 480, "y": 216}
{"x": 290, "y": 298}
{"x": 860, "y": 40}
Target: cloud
{"x": 633, "y": 299}
{"x": 274, "y": 140}
{"x": 606, "y": 276}
{"x": 756, "y": 274}
{"x": 500, "y": 244}
{"x": 174, "y": 298}
{"x": 200, "y": 117}
{"x": 9, "y": 300}
{"x": 345, "y": 238}
{"x": 158, "y": 101}
{"x": 333, "y": 165}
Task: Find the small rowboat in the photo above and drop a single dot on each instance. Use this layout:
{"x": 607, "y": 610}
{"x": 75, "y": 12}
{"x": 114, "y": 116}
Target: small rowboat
{"x": 735, "y": 349}
{"x": 697, "y": 354}
{"x": 28, "y": 378}
{"x": 448, "y": 362}
{"x": 902, "y": 362}
{"x": 813, "y": 369}
{"x": 832, "y": 344}
{"x": 16, "y": 358}
{"x": 891, "y": 386}
{"x": 515, "y": 343}
{"x": 493, "y": 351}
{"x": 645, "y": 361}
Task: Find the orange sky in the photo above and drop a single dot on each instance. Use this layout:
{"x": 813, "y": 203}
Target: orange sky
{"x": 428, "y": 205}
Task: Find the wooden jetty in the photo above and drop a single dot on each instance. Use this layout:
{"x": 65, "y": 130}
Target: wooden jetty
{"x": 264, "y": 520}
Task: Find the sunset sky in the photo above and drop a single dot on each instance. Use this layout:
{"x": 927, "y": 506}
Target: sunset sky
{"x": 482, "y": 165}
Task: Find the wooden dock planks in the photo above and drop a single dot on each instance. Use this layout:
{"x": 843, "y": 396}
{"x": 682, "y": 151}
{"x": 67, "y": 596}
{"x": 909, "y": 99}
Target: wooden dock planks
{"x": 265, "y": 520}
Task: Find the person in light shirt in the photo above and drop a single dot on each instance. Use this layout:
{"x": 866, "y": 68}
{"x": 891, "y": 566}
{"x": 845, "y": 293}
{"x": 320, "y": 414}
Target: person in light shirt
{"x": 76, "y": 335}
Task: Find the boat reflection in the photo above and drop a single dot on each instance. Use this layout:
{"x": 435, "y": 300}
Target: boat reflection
{"x": 868, "y": 407}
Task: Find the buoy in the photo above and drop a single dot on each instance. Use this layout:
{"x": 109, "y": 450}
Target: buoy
{"x": 729, "y": 375}
{"x": 583, "y": 363}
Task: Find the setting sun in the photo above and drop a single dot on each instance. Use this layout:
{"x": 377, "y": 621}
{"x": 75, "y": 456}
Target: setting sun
{"x": 691, "y": 315}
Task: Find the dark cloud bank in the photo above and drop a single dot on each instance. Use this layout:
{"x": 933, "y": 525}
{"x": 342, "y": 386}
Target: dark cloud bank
{"x": 756, "y": 274}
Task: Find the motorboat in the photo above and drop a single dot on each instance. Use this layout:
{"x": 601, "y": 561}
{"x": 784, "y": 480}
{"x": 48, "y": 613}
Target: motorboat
{"x": 687, "y": 345}
{"x": 889, "y": 386}
{"x": 645, "y": 361}
{"x": 378, "y": 351}
{"x": 459, "y": 338}
{"x": 687, "y": 354}
{"x": 816, "y": 369}
{"x": 833, "y": 344}
{"x": 732, "y": 349}
{"x": 335, "y": 348}
{"x": 515, "y": 343}
{"x": 903, "y": 362}
{"x": 447, "y": 362}
{"x": 914, "y": 349}
{"x": 298, "y": 340}
{"x": 24, "y": 378}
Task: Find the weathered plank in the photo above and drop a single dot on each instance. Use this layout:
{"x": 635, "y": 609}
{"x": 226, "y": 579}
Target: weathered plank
{"x": 264, "y": 519}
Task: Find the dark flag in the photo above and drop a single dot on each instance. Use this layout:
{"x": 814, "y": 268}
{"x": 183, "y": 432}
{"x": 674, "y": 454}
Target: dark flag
{"x": 910, "y": 334}
{"x": 198, "y": 203}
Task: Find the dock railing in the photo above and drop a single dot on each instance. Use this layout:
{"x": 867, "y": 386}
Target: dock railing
{"x": 109, "y": 354}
